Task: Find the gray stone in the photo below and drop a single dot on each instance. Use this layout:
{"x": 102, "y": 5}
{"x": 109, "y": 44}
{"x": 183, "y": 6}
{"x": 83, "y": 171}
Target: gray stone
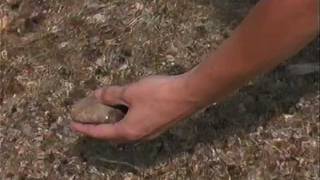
{"x": 90, "y": 111}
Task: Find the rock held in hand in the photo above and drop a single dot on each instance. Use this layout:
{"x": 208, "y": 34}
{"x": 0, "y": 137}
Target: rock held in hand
{"x": 90, "y": 111}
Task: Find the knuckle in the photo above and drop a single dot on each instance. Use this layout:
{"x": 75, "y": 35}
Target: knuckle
{"x": 104, "y": 94}
{"x": 127, "y": 92}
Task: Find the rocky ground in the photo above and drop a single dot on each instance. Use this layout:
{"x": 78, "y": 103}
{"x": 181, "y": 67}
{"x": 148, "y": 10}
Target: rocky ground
{"x": 53, "y": 52}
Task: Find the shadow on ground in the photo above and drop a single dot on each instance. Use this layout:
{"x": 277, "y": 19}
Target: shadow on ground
{"x": 271, "y": 96}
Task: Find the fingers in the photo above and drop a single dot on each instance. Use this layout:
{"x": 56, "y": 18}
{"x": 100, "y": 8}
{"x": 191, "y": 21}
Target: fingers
{"x": 119, "y": 132}
{"x": 111, "y": 132}
{"x": 101, "y": 131}
{"x": 112, "y": 95}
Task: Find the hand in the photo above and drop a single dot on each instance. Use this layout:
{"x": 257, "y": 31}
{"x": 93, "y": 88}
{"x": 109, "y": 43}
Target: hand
{"x": 154, "y": 104}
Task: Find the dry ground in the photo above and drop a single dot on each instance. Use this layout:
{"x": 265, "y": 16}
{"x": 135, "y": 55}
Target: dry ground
{"x": 53, "y": 52}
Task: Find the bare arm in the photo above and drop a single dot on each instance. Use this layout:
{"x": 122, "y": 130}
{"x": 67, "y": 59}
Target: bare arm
{"x": 273, "y": 31}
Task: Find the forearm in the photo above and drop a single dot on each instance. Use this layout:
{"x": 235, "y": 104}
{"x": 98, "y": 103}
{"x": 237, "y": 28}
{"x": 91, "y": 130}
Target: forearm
{"x": 273, "y": 31}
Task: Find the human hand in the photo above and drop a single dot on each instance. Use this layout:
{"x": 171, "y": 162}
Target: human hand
{"x": 154, "y": 104}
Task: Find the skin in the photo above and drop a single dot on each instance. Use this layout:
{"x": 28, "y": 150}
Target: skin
{"x": 272, "y": 32}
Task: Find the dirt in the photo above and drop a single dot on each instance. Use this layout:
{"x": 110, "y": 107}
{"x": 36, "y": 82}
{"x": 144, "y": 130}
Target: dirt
{"x": 54, "y": 52}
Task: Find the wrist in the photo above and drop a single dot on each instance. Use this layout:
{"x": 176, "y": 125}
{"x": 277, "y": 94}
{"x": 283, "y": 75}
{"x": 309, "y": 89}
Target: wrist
{"x": 194, "y": 89}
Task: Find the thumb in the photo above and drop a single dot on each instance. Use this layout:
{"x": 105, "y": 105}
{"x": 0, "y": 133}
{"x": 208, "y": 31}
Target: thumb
{"x": 112, "y": 95}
